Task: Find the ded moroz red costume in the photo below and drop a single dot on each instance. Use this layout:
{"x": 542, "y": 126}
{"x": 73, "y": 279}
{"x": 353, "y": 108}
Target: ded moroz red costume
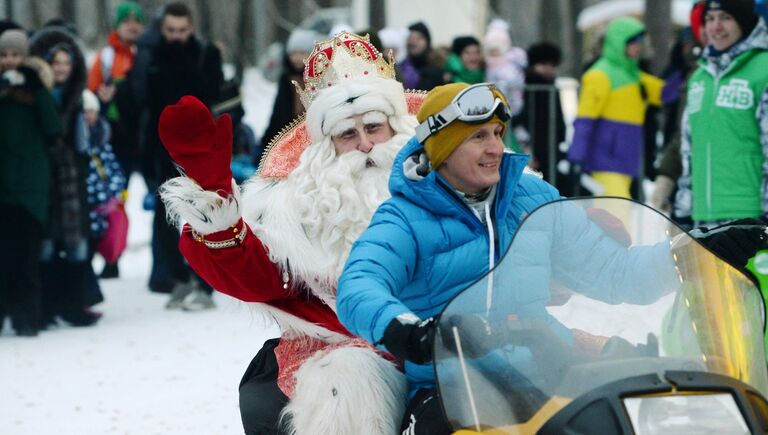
{"x": 281, "y": 243}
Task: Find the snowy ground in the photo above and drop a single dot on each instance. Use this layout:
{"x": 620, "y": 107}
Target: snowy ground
{"x": 141, "y": 369}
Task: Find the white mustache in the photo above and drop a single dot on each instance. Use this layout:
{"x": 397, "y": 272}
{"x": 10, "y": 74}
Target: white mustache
{"x": 381, "y": 155}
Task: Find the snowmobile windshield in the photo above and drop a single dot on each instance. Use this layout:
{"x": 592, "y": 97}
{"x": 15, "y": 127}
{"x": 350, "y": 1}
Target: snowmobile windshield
{"x": 590, "y": 292}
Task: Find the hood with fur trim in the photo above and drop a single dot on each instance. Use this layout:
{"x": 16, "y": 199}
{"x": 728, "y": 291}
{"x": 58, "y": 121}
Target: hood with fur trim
{"x": 40, "y": 44}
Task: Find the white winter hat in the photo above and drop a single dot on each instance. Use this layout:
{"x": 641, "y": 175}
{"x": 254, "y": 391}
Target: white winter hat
{"x": 395, "y": 38}
{"x": 354, "y": 97}
{"x": 15, "y": 39}
{"x": 90, "y": 102}
{"x": 497, "y": 37}
{"x": 302, "y": 40}
{"x": 346, "y": 76}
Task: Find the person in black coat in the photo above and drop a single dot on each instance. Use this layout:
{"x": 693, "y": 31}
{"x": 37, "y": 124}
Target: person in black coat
{"x": 538, "y": 110}
{"x": 422, "y": 68}
{"x": 181, "y": 64}
{"x": 287, "y": 104}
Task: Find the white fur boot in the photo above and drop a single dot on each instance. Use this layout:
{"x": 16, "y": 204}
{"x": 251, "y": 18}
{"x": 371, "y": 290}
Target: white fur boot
{"x": 347, "y": 391}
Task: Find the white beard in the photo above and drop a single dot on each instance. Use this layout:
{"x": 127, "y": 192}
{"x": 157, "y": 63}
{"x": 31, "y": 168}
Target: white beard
{"x": 309, "y": 221}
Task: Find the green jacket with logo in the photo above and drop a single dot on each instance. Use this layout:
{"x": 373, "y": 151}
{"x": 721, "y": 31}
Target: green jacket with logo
{"x": 725, "y": 134}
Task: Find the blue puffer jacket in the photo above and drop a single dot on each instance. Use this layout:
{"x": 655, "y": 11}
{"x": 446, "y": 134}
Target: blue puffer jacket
{"x": 424, "y": 245}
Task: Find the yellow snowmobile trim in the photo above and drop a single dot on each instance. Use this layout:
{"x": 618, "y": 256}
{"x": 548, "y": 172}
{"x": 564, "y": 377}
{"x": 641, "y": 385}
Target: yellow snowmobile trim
{"x": 552, "y": 407}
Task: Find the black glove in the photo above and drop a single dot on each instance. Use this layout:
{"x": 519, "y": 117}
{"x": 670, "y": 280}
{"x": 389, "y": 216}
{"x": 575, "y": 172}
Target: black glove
{"x": 476, "y": 335}
{"x": 410, "y": 339}
{"x": 619, "y": 348}
{"x": 735, "y": 242}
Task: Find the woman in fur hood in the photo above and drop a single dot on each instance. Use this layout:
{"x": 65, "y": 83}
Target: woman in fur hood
{"x": 68, "y": 286}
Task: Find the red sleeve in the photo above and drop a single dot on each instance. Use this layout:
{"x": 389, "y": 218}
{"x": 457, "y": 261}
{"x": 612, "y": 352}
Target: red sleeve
{"x": 245, "y": 272}
{"x": 94, "y": 75}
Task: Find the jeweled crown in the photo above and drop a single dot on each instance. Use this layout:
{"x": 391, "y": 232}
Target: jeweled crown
{"x": 342, "y": 57}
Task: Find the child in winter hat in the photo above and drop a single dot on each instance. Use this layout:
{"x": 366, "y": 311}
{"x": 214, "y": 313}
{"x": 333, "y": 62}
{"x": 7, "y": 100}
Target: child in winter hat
{"x": 14, "y": 39}
{"x": 440, "y": 145}
{"x": 90, "y": 102}
{"x": 105, "y": 178}
{"x": 127, "y": 10}
{"x": 13, "y": 51}
{"x": 504, "y": 64}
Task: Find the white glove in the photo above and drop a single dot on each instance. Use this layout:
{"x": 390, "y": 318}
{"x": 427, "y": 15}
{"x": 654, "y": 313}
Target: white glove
{"x": 14, "y": 77}
{"x": 661, "y": 193}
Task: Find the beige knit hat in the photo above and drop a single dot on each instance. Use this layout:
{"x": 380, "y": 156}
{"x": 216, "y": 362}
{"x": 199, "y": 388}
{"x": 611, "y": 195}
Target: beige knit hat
{"x": 15, "y": 39}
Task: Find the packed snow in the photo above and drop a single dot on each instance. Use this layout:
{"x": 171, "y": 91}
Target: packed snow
{"x": 142, "y": 369}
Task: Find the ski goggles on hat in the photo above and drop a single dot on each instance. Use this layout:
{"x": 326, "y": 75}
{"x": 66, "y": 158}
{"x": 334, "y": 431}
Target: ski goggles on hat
{"x": 474, "y": 105}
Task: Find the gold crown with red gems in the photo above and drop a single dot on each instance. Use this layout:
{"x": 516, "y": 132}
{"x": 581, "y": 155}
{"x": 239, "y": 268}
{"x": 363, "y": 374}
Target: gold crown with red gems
{"x": 342, "y": 57}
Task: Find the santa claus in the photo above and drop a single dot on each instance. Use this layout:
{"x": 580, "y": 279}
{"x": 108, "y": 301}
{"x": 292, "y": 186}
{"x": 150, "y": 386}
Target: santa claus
{"x": 281, "y": 244}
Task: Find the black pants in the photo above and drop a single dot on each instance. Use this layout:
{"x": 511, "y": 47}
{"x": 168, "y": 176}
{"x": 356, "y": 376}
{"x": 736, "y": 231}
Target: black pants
{"x": 167, "y": 261}
{"x": 424, "y": 415}
{"x": 261, "y": 400}
{"x": 21, "y": 238}
{"x": 68, "y": 285}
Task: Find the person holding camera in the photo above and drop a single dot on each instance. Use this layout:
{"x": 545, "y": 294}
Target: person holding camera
{"x": 28, "y": 124}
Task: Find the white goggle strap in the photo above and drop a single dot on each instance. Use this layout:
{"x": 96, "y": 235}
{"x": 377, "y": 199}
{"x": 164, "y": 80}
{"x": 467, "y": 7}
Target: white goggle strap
{"x": 435, "y": 123}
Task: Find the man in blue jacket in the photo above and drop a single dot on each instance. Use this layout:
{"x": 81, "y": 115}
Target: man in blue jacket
{"x": 457, "y": 200}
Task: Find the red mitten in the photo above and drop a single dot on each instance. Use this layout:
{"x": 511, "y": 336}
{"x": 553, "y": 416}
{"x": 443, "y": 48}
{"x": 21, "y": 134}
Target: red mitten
{"x": 197, "y": 143}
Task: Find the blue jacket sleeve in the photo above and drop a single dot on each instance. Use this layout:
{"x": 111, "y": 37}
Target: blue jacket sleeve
{"x": 380, "y": 264}
{"x": 602, "y": 268}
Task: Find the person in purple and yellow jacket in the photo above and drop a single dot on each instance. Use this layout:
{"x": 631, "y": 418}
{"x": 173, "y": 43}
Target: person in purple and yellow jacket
{"x": 608, "y": 131}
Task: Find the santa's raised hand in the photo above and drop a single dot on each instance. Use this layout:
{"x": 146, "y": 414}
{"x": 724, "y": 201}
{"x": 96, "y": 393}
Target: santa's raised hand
{"x": 206, "y": 198}
{"x": 200, "y": 145}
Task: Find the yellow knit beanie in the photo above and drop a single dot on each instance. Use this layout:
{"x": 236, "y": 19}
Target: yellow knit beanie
{"x": 440, "y": 145}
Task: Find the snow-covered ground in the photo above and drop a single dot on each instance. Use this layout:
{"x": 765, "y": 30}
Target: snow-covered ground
{"x": 142, "y": 369}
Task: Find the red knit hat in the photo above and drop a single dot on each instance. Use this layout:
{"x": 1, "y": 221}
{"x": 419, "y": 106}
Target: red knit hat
{"x": 697, "y": 21}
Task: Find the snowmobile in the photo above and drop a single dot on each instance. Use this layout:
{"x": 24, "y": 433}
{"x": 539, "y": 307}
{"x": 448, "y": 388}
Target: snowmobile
{"x": 620, "y": 323}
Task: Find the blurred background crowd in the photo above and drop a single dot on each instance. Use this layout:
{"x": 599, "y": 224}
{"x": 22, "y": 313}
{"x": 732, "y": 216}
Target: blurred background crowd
{"x": 83, "y": 84}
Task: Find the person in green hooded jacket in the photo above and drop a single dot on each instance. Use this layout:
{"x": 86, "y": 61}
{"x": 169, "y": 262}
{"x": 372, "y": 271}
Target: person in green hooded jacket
{"x": 608, "y": 131}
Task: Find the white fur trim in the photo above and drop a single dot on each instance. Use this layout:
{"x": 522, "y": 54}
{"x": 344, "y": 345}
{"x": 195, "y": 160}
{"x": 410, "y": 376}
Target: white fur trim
{"x": 207, "y": 212}
{"x": 530, "y": 171}
{"x": 286, "y": 218}
{"x": 347, "y": 391}
{"x": 295, "y": 327}
{"x": 353, "y": 97}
